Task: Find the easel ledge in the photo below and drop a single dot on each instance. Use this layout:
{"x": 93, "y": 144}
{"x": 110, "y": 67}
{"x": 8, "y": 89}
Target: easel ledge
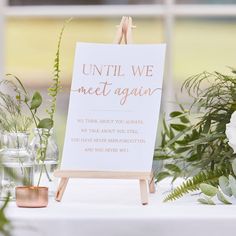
{"x": 101, "y": 174}
{"x": 143, "y": 177}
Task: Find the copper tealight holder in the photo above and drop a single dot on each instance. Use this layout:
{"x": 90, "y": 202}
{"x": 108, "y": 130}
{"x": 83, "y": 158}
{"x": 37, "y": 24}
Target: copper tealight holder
{"x": 31, "y": 196}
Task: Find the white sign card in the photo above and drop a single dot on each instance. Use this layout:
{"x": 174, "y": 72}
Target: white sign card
{"x": 114, "y": 107}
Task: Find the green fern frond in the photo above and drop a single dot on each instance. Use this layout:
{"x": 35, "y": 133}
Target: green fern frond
{"x": 55, "y": 88}
{"x": 210, "y": 177}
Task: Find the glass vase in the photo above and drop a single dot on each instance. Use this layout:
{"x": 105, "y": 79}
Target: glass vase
{"x": 46, "y": 156}
{"x": 16, "y": 163}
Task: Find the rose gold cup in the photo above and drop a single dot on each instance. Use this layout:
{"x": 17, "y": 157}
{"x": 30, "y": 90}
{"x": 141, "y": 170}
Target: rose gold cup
{"x": 31, "y": 196}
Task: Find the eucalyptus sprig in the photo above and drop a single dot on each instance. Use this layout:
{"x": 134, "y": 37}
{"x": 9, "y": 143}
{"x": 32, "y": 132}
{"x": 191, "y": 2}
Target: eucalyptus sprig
{"x": 194, "y": 139}
{"x": 224, "y": 191}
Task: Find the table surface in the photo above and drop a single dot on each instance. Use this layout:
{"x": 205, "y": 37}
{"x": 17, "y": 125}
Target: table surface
{"x": 112, "y": 207}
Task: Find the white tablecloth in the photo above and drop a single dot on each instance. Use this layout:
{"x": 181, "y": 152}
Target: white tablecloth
{"x": 112, "y": 208}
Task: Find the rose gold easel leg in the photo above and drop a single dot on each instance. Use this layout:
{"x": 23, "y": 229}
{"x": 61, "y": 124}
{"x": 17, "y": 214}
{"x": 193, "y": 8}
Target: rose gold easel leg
{"x": 61, "y": 189}
{"x": 143, "y": 191}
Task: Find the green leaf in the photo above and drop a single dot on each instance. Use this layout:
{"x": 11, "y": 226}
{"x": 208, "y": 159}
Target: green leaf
{"x": 182, "y": 149}
{"x": 208, "y": 189}
{"x": 173, "y": 168}
{"x": 162, "y": 175}
{"x": 182, "y": 142}
{"x": 184, "y": 119}
{"x": 234, "y": 166}
{"x": 207, "y": 125}
{"x": 172, "y": 141}
{"x": 192, "y": 158}
{"x": 45, "y": 123}
{"x": 224, "y": 185}
{"x": 162, "y": 157}
{"x": 36, "y": 101}
{"x": 232, "y": 183}
{"x": 175, "y": 114}
{"x": 195, "y": 134}
{"x": 206, "y": 201}
{"x": 172, "y": 134}
{"x": 163, "y": 140}
{"x": 178, "y": 127}
{"x": 222, "y": 198}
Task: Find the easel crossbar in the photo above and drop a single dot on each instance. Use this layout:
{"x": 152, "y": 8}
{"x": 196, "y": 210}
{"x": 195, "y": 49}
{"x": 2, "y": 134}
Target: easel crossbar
{"x": 102, "y": 174}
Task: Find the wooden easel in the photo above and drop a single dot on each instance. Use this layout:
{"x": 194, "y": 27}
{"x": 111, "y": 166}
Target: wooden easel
{"x": 124, "y": 31}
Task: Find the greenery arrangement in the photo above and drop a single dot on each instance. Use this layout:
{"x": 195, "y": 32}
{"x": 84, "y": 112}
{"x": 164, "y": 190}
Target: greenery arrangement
{"x": 194, "y": 141}
{"x": 13, "y": 118}
{"x": 33, "y": 104}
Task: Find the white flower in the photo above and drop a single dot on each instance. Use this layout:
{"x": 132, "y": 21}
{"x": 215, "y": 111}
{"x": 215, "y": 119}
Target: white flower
{"x": 231, "y": 131}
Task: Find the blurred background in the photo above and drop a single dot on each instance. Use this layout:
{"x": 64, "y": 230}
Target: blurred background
{"x": 200, "y": 35}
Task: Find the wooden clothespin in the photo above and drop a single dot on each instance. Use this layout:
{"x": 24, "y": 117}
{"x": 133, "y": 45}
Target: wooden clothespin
{"x": 124, "y": 30}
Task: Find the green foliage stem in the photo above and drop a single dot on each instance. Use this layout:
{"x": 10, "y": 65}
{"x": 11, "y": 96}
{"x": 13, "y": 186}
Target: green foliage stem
{"x": 193, "y": 184}
{"x": 5, "y": 224}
